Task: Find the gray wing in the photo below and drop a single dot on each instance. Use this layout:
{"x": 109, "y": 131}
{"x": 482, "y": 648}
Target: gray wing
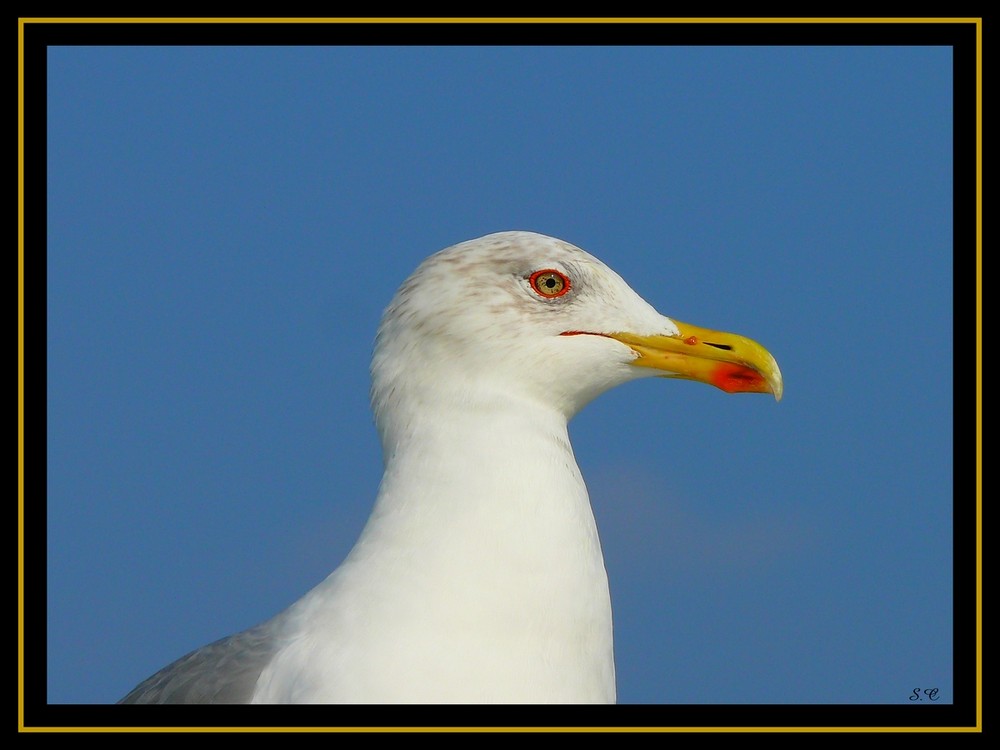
{"x": 225, "y": 671}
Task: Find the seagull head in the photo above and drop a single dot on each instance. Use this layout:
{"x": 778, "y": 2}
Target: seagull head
{"x": 520, "y": 315}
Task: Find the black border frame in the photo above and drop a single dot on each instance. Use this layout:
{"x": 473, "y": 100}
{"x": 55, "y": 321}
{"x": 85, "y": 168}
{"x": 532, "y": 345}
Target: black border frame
{"x": 963, "y": 35}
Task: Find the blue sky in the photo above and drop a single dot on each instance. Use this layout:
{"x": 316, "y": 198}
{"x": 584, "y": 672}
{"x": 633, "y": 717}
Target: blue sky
{"x": 226, "y": 224}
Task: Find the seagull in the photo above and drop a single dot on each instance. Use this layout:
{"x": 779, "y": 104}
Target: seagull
{"x": 479, "y": 577}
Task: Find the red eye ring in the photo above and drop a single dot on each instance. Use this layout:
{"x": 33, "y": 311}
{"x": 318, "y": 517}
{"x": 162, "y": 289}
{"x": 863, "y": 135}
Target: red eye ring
{"x": 549, "y": 283}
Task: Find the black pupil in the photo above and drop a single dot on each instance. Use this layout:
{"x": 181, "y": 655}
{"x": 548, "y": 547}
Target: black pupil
{"x": 550, "y": 282}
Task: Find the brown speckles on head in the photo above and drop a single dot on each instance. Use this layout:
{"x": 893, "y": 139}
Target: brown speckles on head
{"x": 468, "y": 319}
{"x": 490, "y": 275}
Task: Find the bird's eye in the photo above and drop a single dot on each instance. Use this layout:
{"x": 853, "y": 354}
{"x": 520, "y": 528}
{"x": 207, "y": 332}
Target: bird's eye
{"x": 549, "y": 283}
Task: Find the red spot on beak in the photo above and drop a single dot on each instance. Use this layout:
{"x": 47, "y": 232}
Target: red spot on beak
{"x": 691, "y": 340}
{"x": 733, "y": 378}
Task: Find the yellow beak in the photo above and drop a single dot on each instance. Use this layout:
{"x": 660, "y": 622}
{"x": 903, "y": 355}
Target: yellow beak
{"x": 733, "y": 363}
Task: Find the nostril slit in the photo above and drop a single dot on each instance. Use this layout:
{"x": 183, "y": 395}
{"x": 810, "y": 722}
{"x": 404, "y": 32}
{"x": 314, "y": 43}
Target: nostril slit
{"x": 727, "y": 347}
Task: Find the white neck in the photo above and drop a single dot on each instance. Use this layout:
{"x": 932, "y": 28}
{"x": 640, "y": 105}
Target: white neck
{"x": 479, "y": 577}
